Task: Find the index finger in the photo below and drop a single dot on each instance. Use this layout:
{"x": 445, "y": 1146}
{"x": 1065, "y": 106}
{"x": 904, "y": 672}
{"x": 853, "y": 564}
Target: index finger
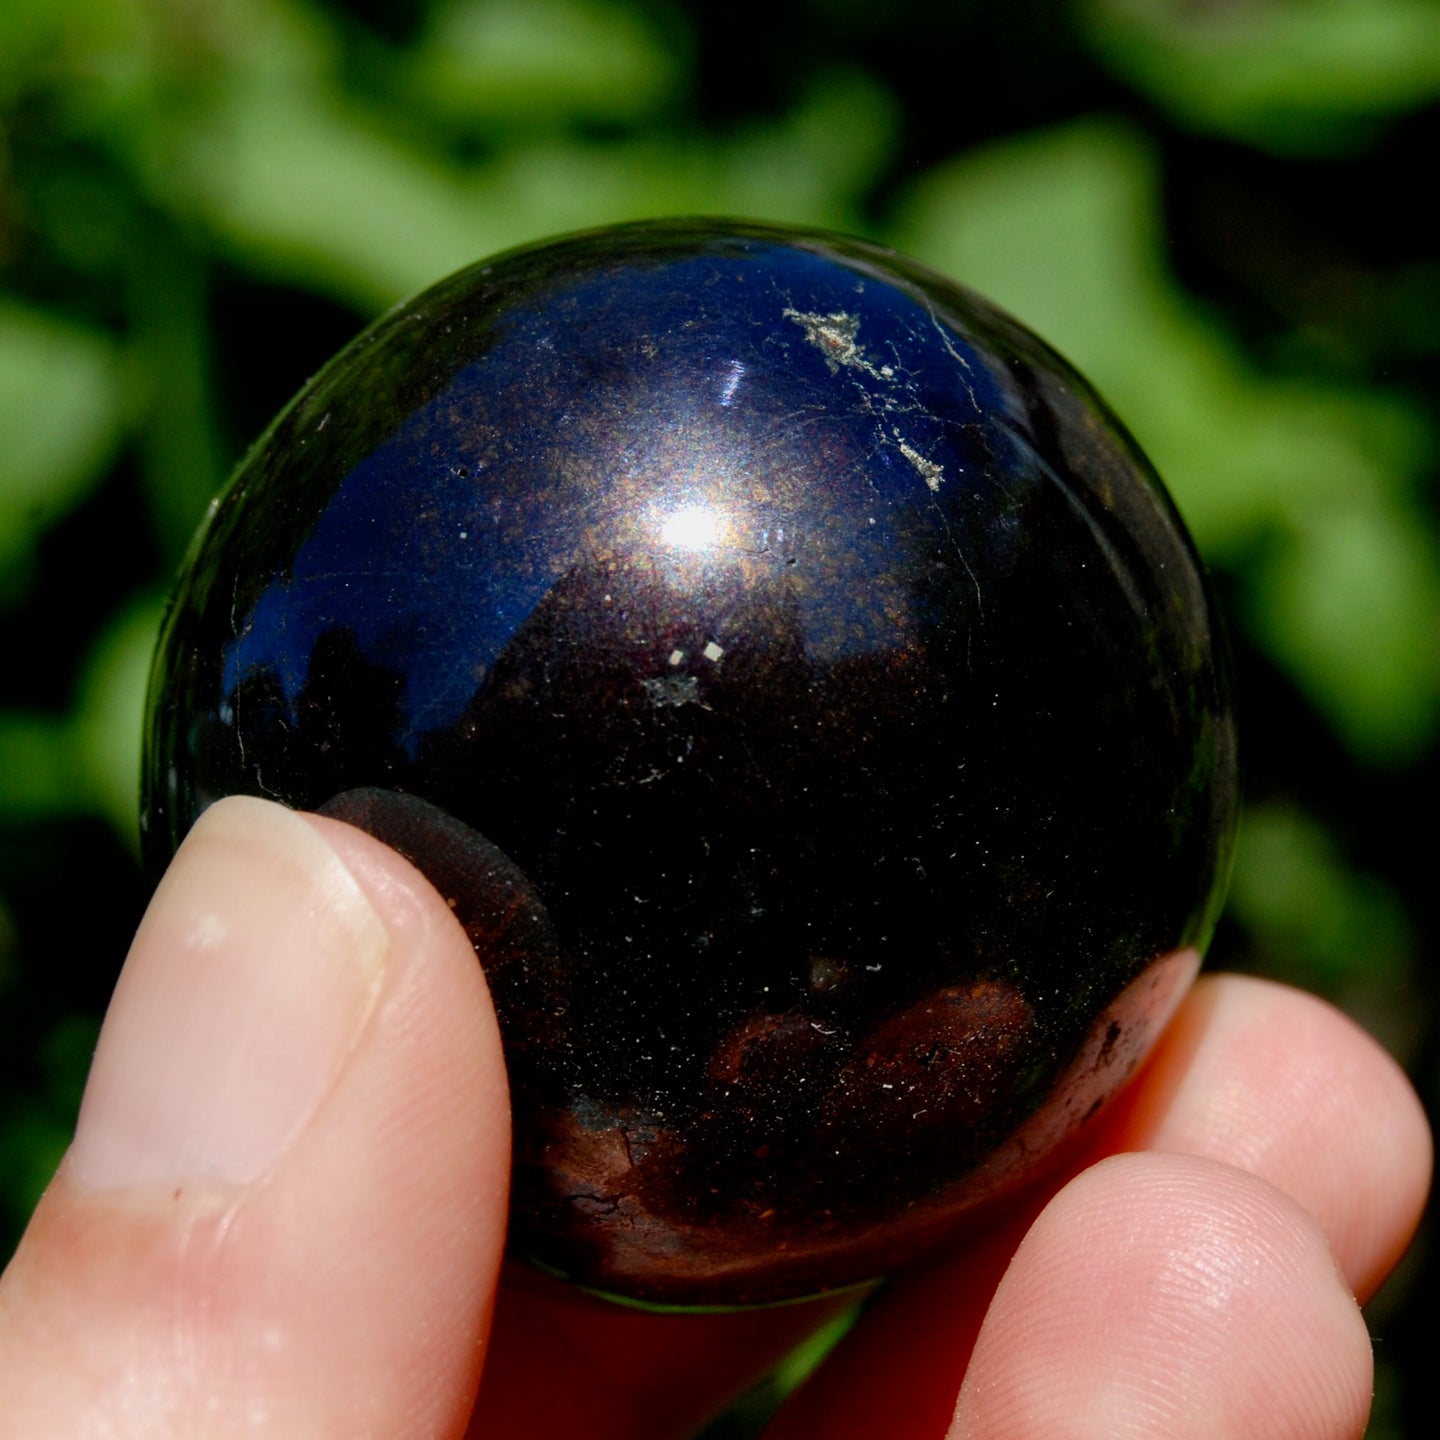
{"x": 1251, "y": 1075}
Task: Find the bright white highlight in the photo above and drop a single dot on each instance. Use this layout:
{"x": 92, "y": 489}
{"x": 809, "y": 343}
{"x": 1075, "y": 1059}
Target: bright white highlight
{"x": 694, "y": 527}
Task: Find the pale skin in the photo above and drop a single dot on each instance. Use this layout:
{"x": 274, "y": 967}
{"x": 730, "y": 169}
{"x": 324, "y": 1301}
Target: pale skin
{"x": 283, "y": 1215}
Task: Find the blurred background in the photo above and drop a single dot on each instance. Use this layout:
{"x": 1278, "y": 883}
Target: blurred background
{"x": 1212, "y": 206}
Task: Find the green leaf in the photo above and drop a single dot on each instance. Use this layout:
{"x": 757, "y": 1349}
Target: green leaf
{"x": 108, "y": 719}
{"x": 306, "y": 184}
{"x": 541, "y": 62}
{"x": 40, "y": 39}
{"x": 309, "y": 185}
{"x": 178, "y": 449}
{"x": 37, "y": 777}
{"x": 807, "y": 1357}
{"x": 1293, "y": 78}
{"x": 60, "y": 412}
{"x": 1352, "y": 599}
{"x": 1318, "y": 921}
{"x": 89, "y": 760}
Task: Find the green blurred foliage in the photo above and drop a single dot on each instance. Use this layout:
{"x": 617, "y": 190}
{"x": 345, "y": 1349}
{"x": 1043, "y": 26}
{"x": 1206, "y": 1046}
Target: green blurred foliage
{"x": 1312, "y": 912}
{"x": 1299, "y": 77}
{"x": 1207, "y": 206}
{"x": 539, "y": 64}
{"x": 60, "y": 407}
{"x": 87, "y": 758}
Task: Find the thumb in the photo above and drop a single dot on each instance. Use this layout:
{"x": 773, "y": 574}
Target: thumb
{"x": 283, "y": 1211}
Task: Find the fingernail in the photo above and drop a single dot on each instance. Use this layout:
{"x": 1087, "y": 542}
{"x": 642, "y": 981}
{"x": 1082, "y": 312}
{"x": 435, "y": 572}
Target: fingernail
{"x": 247, "y": 986}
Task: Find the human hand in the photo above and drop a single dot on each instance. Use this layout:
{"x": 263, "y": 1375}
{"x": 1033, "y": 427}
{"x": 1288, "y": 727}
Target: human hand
{"x": 283, "y": 1214}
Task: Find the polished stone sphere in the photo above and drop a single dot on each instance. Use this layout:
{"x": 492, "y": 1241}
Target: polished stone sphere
{"x": 800, "y": 685}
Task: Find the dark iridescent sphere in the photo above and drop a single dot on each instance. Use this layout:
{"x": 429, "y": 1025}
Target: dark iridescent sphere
{"x": 803, "y": 688}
